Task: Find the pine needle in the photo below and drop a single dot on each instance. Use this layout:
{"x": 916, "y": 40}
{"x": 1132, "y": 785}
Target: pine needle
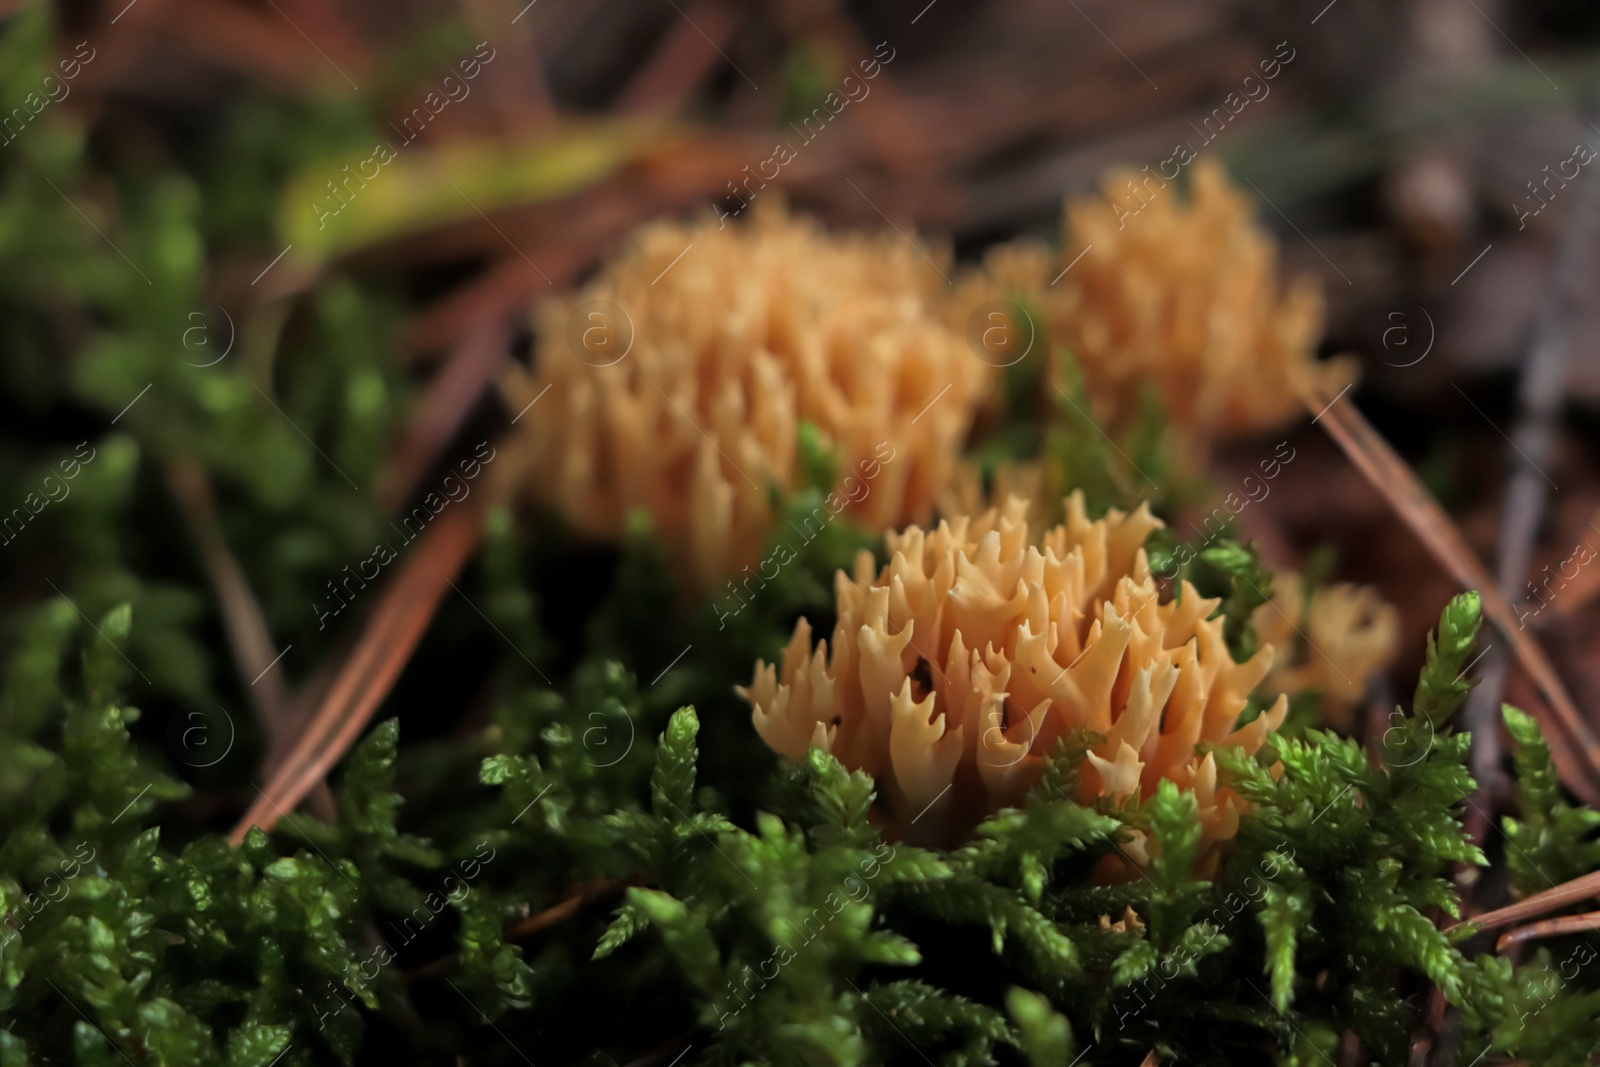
{"x": 391, "y": 635}
{"x": 1411, "y": 501}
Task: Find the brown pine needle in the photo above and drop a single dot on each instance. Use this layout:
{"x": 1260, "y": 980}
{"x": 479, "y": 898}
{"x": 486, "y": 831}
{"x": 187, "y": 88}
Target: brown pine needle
{"x": 1565, "y": 924}
{"x": 564, "y": 910}
{"x": 242, "y": 617}
{"x": 688, "y": 53}
{"x": 1578, "y": 889}
{"x": 554, "y": 915}
{"x": 364, "y": 679}
{"x": 1583, "y": 587}
{"x": 450, "y": 398}
{"x": 502, "y": 288}
{"x": 1579, "y": 762}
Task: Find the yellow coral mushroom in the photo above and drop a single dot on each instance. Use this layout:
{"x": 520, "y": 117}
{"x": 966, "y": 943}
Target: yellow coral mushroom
{"x": 956, "y": 667}
{"x": 967, "y": 495}
{"x": 1181, "y": 295}
{"x": 678, "y": 380}
{"x": 1331, "y": 646}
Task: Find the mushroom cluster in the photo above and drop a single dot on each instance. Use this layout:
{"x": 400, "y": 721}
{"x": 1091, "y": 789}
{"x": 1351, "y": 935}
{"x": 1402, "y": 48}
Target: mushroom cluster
{"x": 677, "y": 381}
{"x": 1329, "y": 644}
{"x": 955, "y": 667}
{"x": 1182, "y": 295}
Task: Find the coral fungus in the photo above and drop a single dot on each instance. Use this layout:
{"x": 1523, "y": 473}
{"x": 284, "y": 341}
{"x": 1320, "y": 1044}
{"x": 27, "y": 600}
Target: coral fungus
{"x": 679, "y": 379}
{"x": 956, "y": 667}
{"x": 1184, "y": 297}
{"x": 1330, "y": 646}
